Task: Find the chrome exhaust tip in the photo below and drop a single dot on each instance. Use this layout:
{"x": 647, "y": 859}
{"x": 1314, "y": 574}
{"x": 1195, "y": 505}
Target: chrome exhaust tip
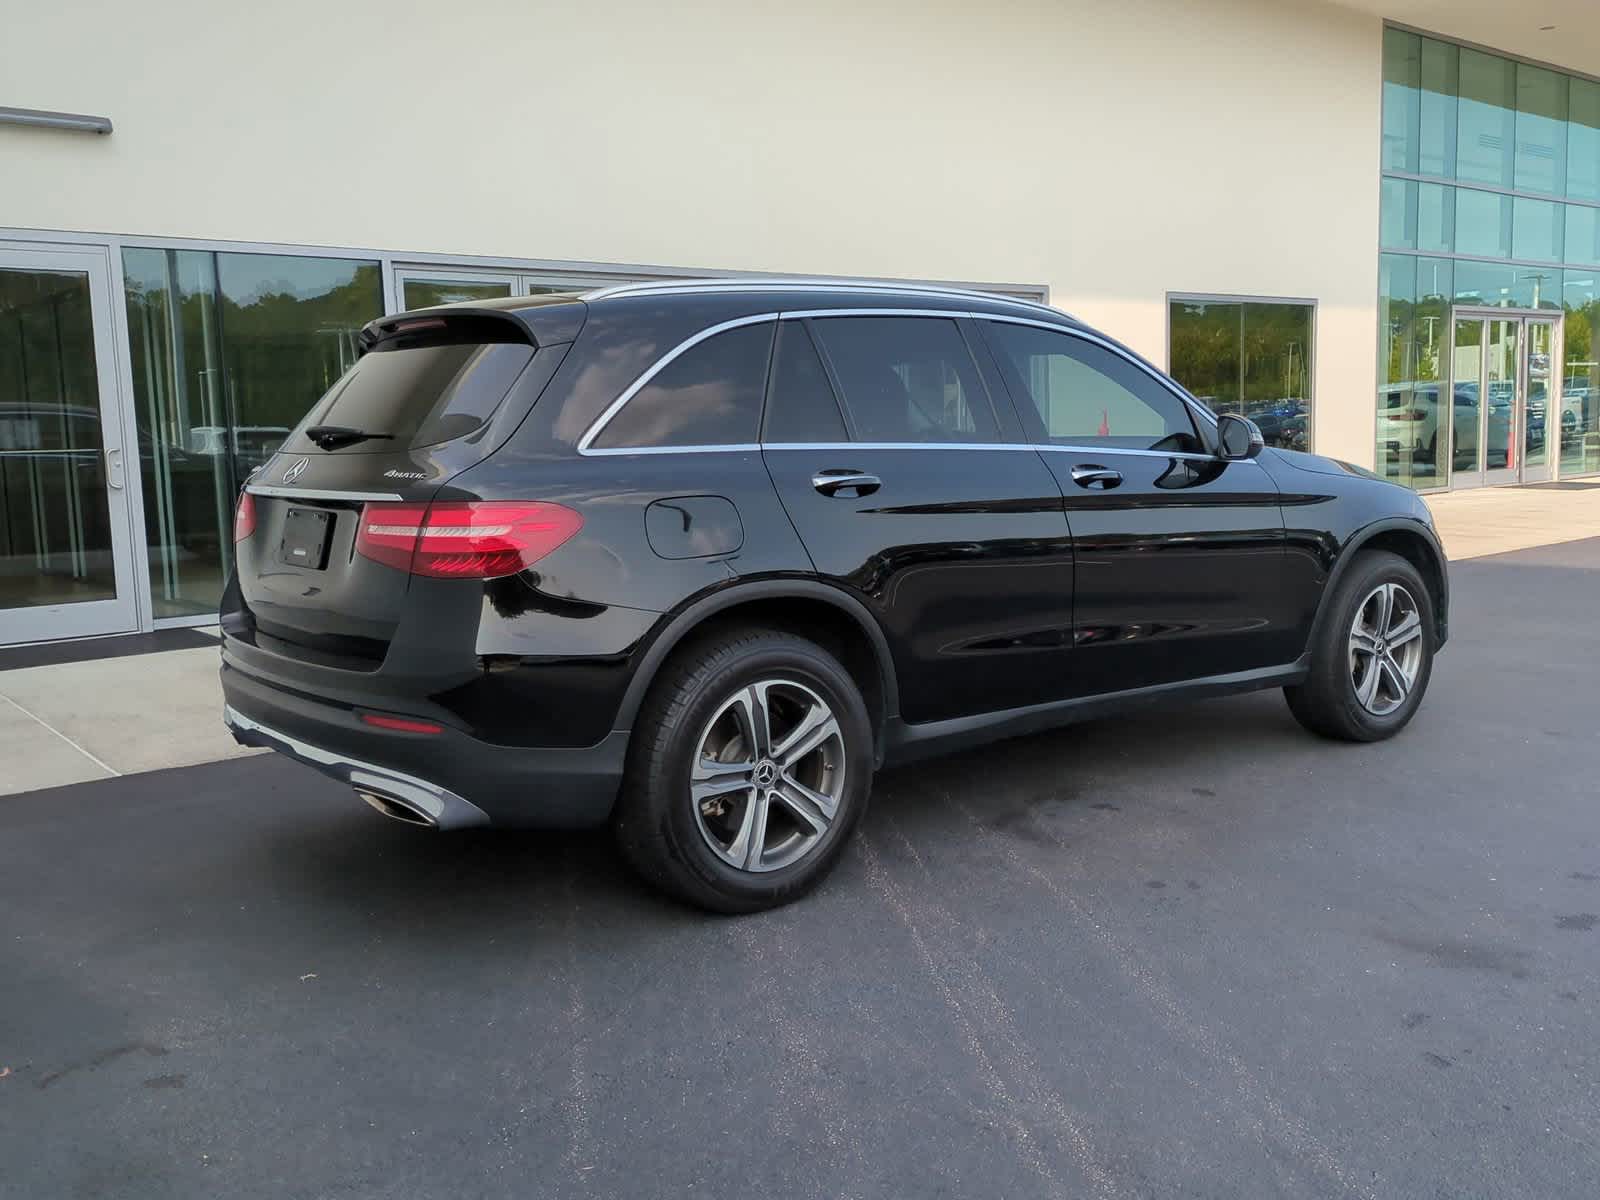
{"x": 396, "y": 809}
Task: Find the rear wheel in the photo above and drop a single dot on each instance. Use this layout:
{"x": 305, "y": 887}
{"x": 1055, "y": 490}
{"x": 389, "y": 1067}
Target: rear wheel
{"x": 1372, "y": 658}
{"x": 749, "y": 766}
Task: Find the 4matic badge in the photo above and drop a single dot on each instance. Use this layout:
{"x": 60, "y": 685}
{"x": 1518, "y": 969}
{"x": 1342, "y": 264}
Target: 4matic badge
{"x": 403, "y": 475}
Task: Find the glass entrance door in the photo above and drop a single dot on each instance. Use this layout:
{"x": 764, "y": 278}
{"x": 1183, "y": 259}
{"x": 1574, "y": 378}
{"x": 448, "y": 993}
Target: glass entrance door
{"x": 66, "y": 565}
{"x": 1498, "y": 405}
{"x": 1541, "y": 392}
{"x": 1504, "y": 373}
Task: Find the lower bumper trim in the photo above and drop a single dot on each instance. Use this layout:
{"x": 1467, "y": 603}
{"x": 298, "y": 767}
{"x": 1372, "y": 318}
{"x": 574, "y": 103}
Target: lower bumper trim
{"x": 435, "y": 805}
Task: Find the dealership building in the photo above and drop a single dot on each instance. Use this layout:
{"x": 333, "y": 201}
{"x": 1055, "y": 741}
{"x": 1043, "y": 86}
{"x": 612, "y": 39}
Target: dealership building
{"x": 1372, "y": 226}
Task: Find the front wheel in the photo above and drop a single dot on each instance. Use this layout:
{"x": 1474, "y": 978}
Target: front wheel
{"x": 1372, "y": 658}
{"x": 749, "y": 766}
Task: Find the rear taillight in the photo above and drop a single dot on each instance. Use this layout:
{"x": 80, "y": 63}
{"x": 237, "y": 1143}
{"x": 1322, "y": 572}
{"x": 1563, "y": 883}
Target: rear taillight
{"x": 474, "y": 539}
{"x": 244, "y": 517}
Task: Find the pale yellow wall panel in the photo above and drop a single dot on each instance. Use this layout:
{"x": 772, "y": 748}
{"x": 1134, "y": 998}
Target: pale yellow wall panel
{"x": 1115, "y": 152}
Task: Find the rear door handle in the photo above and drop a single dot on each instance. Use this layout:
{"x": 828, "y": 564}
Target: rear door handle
{"x": 1092, "y": 475}
{"x": 114, "y": 467}
{"x": 845, "y": 481}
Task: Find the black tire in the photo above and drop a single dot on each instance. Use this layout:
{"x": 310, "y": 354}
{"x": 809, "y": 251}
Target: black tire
{"x": 1327, "y": 702}
{"x": 658, "y": 827}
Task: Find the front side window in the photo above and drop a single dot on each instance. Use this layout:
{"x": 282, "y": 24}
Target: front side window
{"x": 1085, "y": 394}
{"x": 710, "y": 395}
{"x": 907, "y": 379}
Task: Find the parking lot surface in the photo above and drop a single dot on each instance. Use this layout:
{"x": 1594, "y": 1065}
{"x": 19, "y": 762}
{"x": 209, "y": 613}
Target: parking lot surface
{"x": 1194, "y": 952}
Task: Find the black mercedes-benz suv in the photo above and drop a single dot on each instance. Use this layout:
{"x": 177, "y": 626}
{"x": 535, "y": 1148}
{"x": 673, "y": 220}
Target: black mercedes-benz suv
{"x": 696, "y": 559}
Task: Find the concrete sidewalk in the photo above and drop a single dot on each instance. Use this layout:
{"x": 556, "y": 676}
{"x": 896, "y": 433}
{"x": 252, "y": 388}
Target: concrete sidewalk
{"x": 77, "y": 721}
{"x": 1499, "y": 520}
{"x": 92, "y": 720}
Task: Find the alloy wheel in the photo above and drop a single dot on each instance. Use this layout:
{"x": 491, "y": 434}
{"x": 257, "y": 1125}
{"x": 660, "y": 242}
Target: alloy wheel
{"x": 1386, "y": 648}
{"x": 768, "y": 775}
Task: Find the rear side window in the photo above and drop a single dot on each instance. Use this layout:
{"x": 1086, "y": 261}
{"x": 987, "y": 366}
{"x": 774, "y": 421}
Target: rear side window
{"x": 907, "y": 379}
{"x": 710, "y": 395}
{"x": 421, "y": 395}
{"x": 1085, "y": 394}
{"x": 801, "y": 406}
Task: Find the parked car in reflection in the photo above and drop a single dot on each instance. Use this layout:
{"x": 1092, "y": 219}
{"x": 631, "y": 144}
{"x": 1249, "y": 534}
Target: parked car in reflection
{"x": 1578, "y": 406}
{"x": 1283, "y": 423}
{"x": 1408, "y": 422}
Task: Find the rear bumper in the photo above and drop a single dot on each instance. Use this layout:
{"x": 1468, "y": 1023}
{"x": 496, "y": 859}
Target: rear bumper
{"x": 448, "y": 780}
{"x": 428, "y": 802}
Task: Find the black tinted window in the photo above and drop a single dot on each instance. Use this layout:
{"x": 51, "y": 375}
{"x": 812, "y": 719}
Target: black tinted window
{"x": 710, "y": 395}
{"x": 801, "y": 406}
{"x": 421, "y": 395}
{"x": 1086, "y": 394}
{"x": 907, "y": 379}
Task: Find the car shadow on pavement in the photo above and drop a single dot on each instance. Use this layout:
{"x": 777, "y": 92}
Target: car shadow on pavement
{"x": 456, "y": 881}
{"x": 469, "y": 884}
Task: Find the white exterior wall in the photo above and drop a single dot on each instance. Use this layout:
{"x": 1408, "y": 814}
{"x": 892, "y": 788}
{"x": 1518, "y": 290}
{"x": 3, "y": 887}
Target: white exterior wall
{"x": 1113, "y": 151}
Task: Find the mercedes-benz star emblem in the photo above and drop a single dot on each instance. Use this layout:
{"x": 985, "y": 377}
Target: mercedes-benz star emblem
{"x": 295, "y": 469}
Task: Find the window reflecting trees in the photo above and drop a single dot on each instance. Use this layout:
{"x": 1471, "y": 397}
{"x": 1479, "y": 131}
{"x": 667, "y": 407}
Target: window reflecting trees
{"x": 1247, "y": 357}
{"x": 228, "y": 352}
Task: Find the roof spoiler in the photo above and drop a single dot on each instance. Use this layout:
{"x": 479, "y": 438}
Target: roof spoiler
{"x": 443, "y": 327}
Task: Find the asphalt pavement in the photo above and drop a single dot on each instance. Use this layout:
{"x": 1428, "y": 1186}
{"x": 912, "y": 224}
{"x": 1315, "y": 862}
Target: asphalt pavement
{"x": 1194, "y": 953}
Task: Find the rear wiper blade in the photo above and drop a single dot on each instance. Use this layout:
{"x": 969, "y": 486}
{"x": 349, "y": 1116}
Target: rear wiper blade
{"x": 331, "y": 437}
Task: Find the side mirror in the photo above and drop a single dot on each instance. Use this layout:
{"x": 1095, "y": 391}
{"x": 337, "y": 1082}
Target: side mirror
{"x": 1238, "y": 437}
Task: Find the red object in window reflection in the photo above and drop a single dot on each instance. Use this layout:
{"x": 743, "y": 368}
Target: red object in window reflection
{"x": 1105, "y": 423}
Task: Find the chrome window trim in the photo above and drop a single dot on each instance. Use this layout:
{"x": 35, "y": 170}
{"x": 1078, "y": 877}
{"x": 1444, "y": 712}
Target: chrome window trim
{"x": 1102, "y": 451}
{"x": 846, "y": 447}
{"x": 291, "y": 493}
{"x": 1182, "y": 454}
{"x": 757, "y": 283}
{"x": 730, "y": 448}
{"x": 948, "y": 314}
{"x": 1063, "y": 325}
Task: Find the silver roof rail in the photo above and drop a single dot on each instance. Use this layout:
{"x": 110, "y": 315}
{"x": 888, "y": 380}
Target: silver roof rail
{"x": 810, "y": 284}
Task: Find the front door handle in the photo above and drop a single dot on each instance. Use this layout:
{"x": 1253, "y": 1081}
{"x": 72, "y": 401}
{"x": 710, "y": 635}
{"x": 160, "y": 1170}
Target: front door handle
{"x": 845, "y": 481}
{"x": 1092, "y": 475}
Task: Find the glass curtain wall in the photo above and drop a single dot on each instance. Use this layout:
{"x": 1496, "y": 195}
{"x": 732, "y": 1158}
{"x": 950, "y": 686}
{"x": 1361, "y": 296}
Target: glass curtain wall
{"x": 1490, "y": 196}
{"x": 1247, "y": 357}
{"x": 228, "y": 352}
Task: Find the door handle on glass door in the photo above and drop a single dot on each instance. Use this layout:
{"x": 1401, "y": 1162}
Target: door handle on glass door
{"x": 847, "y": 481}
{"x": 114, "y": 467}
{"x": 1092, "y": 475}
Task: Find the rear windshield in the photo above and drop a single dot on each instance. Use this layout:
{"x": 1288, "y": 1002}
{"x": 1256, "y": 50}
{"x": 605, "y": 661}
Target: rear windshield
{"x": 420, "y": 395}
